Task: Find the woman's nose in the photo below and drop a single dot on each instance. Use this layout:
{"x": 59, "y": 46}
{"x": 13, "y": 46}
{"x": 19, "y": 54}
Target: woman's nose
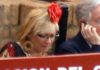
{"x": 49, "y": 41}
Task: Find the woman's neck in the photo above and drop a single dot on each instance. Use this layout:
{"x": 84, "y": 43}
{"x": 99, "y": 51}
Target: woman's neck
{"x": 32, "y": 52}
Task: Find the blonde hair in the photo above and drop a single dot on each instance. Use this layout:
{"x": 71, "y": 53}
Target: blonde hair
{"x": 35, "y": 20}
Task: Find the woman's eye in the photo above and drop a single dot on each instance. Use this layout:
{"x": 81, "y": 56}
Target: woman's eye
{"x": 40, "y": 35}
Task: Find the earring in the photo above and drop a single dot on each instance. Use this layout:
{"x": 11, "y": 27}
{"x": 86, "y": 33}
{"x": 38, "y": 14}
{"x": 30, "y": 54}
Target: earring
{"x": 28, "y": 45}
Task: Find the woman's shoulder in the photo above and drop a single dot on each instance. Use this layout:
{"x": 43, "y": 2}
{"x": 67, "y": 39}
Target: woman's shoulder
{"x": 12, "y": 49}
{"x": 8, "y": 50}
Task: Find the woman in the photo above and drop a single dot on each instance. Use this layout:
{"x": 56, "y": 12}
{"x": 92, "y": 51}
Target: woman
{"x": 37, "y": 34}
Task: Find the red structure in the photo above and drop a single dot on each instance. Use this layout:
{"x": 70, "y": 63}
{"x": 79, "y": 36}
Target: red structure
{"x": 64, "y": 62}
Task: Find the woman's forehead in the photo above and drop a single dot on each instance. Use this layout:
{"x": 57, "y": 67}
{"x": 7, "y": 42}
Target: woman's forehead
{"x": 48, "y": 29}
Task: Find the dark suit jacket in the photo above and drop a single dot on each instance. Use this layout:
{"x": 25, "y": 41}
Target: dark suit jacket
{"x": 77, "y": 45}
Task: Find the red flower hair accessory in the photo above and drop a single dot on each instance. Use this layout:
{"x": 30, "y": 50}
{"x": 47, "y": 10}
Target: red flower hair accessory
{"x": 55, "y": 12}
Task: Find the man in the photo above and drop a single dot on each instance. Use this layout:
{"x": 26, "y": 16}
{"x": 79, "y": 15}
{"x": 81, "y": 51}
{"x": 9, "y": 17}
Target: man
{"x": 88, "y": 38}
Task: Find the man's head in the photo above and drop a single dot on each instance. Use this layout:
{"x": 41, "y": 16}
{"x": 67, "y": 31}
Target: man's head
{"x": 88, "y": 12}
{"x": 85, "y": 8}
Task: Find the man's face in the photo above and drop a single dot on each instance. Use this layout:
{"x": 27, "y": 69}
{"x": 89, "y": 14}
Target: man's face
{"x": 95, "y": 18}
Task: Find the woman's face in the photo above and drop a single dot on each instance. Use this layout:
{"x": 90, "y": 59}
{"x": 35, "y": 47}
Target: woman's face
{"x": 44, "y": 39}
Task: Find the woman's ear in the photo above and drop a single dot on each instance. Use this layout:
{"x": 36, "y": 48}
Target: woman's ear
{"x": 30, "y": 35}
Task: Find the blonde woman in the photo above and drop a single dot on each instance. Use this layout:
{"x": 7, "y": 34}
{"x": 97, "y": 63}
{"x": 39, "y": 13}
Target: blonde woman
{"x": 37, "y": 34}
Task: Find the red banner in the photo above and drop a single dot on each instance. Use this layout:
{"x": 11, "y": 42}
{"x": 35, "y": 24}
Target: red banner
{"x": 63, "y": 62}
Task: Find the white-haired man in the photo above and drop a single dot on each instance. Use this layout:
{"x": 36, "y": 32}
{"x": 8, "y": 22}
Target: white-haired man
{"x": 88, "y": 38}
